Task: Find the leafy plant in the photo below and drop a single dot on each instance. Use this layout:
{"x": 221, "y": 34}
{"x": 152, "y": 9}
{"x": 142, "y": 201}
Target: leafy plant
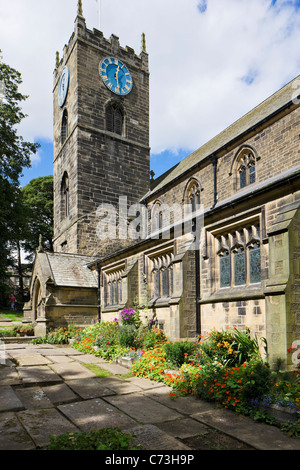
{"x": 127, "y": 335}
{"x": 179, "y": 352}
{"x": 103, "y": 439}
{"x": 59, "y": 335}
{"x": 231, "y": 347}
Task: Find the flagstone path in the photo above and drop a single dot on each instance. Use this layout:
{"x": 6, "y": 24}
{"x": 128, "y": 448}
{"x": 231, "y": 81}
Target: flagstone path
{"x": 47, "y": 390}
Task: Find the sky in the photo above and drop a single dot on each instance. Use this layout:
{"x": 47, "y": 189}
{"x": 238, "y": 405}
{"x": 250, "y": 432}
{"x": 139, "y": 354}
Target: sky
{"x": 211, "y": 61}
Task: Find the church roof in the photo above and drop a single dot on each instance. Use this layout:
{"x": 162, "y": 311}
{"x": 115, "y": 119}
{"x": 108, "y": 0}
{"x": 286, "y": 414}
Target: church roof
{"x": 271, "y": 106}
{"x": 71, "y": 270}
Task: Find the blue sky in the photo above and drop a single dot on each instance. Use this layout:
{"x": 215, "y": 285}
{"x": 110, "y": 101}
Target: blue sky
{"x": 211, "y": 61}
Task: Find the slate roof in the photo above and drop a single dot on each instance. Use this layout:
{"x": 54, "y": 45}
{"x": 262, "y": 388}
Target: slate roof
{"x": 267, "y": 108}
{"x": 71, "y": 270}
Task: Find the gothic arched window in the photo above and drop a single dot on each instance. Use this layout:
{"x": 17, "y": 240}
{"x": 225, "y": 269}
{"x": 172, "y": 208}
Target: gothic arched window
{"x": 64, "y": 126}
{"x": 246, "y": 171}
{"x": 192, "y": 194}
{"x": 115, "y": 118}
{"x": 157, "y": 217}
{"x": 65, "y": 206}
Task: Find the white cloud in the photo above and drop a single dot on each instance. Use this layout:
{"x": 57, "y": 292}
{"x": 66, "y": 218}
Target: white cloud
{"x": 209, "y": 65}
{"x": 35, "y": 159}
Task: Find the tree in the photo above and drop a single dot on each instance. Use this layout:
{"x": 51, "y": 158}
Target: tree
{"x": 37, "y": 199}
{"x": 14, "y": 156}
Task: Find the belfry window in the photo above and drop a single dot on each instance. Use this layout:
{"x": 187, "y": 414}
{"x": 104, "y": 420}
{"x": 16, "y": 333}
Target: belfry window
{"x": 115, "y": 118}
{"x": 65, "y": 204}
{"x": 64, "y": 126}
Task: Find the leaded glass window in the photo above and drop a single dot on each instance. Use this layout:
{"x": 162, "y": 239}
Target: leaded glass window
{"x": 165, "y": 282}
{"x": 239, "y": 267}
{"x": 252, "y": 174}
{"x": 255, "y": 264}
{"x": 239, "y": 255}
{"x": 162, "y": 276}
{"x": 225, "y": 270}
{"x": 243, "y": 178}
{"x": 112, "y": 285}
{"x": 193, "y": 194}
{"x": 246, "y": 170}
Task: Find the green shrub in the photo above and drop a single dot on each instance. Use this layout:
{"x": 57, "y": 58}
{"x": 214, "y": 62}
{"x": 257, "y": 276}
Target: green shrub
{"x": 256, "y": 381}
{"x": 231, "y": 347}
{"x": 127, "y": 335}
{"x": 107, "y": 334}
{"x": 103, "y": 439}
{"x": 179, "y": 352}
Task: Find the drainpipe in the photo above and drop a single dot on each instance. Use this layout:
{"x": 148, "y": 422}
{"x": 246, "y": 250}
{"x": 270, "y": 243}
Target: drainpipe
{"x": 99, "y": 293}
{"x": 214, "y": 162}
{"x": 197, "y": 276}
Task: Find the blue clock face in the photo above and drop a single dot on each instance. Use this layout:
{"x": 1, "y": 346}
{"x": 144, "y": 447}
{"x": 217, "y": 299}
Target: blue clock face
{"x": 115, "y": 76}
{"x": 63, "y": 86}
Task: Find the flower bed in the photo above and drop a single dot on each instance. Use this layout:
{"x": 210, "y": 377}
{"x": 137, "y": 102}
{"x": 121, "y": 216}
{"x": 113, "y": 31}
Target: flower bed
{"x": 225, "y": 367}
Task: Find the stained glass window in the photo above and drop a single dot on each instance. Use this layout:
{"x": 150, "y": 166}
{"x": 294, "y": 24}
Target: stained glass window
{"x": 243, "y": 178}
{"x": 239, "y": 267}
{"x": 225, "y": 270}
{"x": 246, "y": 170}
{"x": 156, "y": 284}
{"x": 165, "y": 282}
{"x": 252, "y": 174}
{"x": 255, "y": 264}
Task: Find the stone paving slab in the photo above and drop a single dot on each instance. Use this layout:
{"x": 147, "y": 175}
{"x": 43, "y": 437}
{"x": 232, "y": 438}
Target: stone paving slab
{"x": 142, "y": 408}
{"x": 152, "y": 438}
{"x": 185, "y": 405}
{"x": 38, "y": 374}
{"x": 88, "y": 359}
{"x": 59, "y": 359}
{"x": 9, "y": 401}
{"x": 13, "y": 435}
{"x": 72, "y": 370}
{"x": 184, "y": 428}
{"x": 9, "y": 376}
{"x": 115, "y": 369}
{"x": 41, "y": 424}
{"x": 144, "y": 384}
{"x": 96, "y": 414}
{"x": 119, "y": 386}
{"x": 88, "y": 389}
{"x": 258, "y": 435}
{"x": 58, "y": 351}
{"x": 33, "y": 360}
{"x": 33, "y": 398}
{"x": 60, "y": 394}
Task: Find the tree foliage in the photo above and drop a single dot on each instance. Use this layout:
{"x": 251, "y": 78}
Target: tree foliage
{"x": 38, "y": 203}
{"x": 15, "y": 155}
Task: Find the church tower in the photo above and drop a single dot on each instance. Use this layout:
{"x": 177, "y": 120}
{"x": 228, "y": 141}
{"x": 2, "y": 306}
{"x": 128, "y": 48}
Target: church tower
{"x": 101, "y": 133}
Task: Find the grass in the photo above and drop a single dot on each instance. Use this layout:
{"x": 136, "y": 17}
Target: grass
{"x": 104, "y": 373}
{"x": 14, "y": 316}
{"x": 97, "y": 370}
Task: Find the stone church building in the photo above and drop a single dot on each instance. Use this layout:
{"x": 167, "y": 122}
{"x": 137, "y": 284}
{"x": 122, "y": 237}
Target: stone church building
{"x": 213, "y": 243}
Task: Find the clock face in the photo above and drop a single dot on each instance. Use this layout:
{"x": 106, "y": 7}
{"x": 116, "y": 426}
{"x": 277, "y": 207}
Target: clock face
{"x": 115, "y": 76}
{"x": 63, "y": 86}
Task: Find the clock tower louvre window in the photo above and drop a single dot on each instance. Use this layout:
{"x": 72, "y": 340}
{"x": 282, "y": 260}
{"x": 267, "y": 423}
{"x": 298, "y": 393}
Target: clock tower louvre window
{"x": 115, "y": 119}
{"x": 64, "y": 126}
{"x": 65, "y": 205}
